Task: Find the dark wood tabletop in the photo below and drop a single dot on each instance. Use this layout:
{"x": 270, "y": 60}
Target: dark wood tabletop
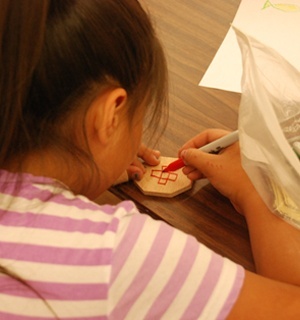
{"x": 191, "y": 32}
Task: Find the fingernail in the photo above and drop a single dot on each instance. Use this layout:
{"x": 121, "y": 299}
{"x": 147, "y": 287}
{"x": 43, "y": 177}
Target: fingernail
{"x": 182, "y": 155}
{"x": 156, "y": 154}
{"x": 136, "y": 176}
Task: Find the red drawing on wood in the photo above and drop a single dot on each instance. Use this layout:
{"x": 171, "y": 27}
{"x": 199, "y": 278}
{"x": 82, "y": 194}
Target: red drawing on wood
{"x": 164, "y": 177}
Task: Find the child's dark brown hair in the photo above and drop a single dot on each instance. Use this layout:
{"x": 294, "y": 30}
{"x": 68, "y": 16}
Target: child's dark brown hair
{"x": 55, "y": 55}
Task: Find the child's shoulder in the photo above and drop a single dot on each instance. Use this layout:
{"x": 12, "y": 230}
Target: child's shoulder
{"x": 42, "y": 198}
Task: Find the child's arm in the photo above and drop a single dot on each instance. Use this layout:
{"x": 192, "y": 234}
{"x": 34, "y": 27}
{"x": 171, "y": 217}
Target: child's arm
{"x": 275, "y": 244}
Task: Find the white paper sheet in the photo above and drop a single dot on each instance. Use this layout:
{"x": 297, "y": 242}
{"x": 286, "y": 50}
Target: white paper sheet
{"x": 277, "y": 25}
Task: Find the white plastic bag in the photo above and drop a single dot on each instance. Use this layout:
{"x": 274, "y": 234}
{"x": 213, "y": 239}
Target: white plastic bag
{"x": 269, "y": 126}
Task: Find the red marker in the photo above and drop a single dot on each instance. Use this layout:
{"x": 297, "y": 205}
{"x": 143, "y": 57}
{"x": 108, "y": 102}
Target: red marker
{"x": 213, "y": 147}
{"x": 175, "y": 165}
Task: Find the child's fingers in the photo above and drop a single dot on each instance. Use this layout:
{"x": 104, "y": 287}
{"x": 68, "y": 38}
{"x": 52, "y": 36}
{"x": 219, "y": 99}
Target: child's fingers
{"x": 206, "y": 164}
{"x": 150, "y": 156}
{"x": 192, "y": 173}
{"x": 203, "y": 138}
{"x": 135, "y": 172}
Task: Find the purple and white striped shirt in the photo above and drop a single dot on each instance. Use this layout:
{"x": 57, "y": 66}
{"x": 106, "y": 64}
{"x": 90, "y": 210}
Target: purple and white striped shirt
{"x": 80, "y": 260}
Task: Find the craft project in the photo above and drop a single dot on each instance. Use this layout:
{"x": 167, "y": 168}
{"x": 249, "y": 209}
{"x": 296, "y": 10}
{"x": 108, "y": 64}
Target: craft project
{"x": 163, "y": 184}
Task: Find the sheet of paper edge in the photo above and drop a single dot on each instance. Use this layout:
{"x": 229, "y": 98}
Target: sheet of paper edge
{"x": 216, "y": 77}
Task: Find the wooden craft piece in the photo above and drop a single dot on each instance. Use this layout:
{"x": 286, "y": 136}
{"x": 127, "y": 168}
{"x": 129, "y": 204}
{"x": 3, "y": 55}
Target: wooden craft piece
{"x": 163, "y": 184}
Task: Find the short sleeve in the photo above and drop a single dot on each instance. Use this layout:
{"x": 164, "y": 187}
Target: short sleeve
{"x": 159, "y": 272}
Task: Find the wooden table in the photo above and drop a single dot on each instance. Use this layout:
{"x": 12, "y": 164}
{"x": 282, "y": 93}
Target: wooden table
{"x": 191, "y": 32}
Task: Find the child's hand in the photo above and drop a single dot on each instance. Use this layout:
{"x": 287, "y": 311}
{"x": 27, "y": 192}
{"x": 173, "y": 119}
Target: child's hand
{"x": 136, "y": 170}
{"x": 224, "y": 170}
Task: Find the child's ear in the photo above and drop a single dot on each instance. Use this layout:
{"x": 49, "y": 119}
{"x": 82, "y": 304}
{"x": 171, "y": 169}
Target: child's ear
{"x": 106, "y": 111}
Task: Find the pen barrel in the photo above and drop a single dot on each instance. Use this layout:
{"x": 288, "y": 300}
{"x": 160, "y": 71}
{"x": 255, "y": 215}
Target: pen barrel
{"x": 219, "y": 144}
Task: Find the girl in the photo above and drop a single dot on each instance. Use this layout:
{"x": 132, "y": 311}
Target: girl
{"x": 78, "y": 78}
